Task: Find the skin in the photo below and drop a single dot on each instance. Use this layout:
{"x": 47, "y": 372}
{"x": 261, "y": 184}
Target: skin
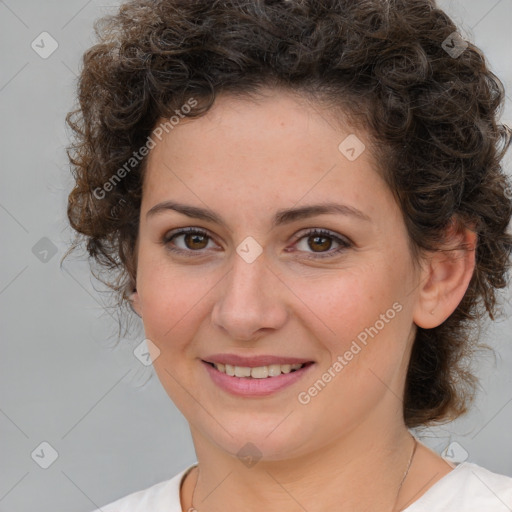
{"x": 348, "y": 448}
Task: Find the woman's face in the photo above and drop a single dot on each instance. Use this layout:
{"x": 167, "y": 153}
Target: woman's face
{"x": 261, "y": 282}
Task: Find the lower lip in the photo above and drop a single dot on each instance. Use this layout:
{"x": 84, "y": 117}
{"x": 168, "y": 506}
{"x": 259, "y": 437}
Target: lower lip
{"x": 247, "y": 386}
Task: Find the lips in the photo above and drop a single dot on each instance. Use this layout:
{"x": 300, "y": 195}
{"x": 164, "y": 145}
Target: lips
{"x": 255, "y": 376}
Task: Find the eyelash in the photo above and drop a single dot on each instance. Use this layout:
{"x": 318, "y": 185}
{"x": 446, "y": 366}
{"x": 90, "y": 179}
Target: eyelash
{"x": 344, "y": 243}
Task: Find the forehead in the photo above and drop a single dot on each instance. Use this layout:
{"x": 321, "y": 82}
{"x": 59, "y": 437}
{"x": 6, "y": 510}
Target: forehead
{"x": 276, "y": 150}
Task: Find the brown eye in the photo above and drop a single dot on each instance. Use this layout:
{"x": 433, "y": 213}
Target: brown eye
{"x": 193, "y": 240}
{"x": 319, "y": 243}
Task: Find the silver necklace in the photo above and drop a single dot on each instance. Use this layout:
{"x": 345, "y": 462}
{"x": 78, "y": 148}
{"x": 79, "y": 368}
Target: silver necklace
{"x": 409, "y": 464}
{"x": 406, "y": 471}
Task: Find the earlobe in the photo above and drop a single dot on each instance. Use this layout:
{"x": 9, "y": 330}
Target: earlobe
{"x": 445, "y": 278}
{"x": 134, "y": 302}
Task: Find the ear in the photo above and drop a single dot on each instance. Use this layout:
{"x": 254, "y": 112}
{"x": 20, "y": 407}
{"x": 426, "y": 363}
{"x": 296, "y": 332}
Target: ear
{"x": 134, "y": 302}
{"x": 445, "y": 277}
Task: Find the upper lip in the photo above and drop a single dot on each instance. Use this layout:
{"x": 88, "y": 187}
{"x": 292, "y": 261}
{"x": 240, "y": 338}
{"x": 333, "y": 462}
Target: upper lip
{"x": 254, "y": 361}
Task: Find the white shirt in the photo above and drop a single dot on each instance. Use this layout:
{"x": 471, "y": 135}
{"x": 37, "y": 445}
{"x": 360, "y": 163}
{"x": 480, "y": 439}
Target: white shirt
{"x": 467, "y": 488}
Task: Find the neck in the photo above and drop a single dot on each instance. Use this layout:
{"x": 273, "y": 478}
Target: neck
{"x": 337, "y": 476}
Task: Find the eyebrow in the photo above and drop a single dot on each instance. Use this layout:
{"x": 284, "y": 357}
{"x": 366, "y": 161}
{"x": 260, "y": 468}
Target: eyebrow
{"x": 281, "y": 217}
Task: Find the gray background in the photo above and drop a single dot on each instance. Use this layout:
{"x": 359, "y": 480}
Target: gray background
{"x": 62, "y": 379}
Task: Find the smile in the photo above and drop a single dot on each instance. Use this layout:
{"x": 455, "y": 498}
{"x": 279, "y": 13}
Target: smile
{"x": 258, "y": 372}
{"x": 255, "y": 381}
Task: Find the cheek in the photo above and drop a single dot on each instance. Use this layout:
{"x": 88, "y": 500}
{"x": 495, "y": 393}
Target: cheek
{"x": 348, "y": 304}
{"x": 363, "y": 321}
{"x": 173, "y": 303}
{"x": 170, "y": 300}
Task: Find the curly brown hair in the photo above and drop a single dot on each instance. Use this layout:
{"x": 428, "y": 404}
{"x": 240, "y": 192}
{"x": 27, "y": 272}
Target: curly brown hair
{"x": 431, "y": 113}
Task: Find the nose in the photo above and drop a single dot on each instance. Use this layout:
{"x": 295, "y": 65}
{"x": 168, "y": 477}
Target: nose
{"x": 250, "y": 301}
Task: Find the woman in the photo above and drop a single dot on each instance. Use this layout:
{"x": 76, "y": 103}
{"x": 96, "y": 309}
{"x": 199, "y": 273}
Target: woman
{"x": 303, "y": 201}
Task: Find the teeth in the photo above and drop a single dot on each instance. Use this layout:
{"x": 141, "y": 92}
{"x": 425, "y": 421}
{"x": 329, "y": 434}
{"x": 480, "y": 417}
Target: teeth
{"x": 242, "y": 371}
{"x": 259, "y": 372}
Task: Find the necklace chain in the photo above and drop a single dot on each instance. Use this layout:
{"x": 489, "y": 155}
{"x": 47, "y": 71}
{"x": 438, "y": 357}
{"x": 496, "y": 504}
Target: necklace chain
{"x": 406, "y": 472}
{"x": 409, "y": 464}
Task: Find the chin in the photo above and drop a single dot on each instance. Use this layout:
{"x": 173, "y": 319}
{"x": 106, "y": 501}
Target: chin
{"x": 260, "y": 440}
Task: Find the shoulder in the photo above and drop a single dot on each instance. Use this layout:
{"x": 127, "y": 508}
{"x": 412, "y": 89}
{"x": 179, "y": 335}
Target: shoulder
{"x": 467, "y": 488}
{"x": 163, "y": 494}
